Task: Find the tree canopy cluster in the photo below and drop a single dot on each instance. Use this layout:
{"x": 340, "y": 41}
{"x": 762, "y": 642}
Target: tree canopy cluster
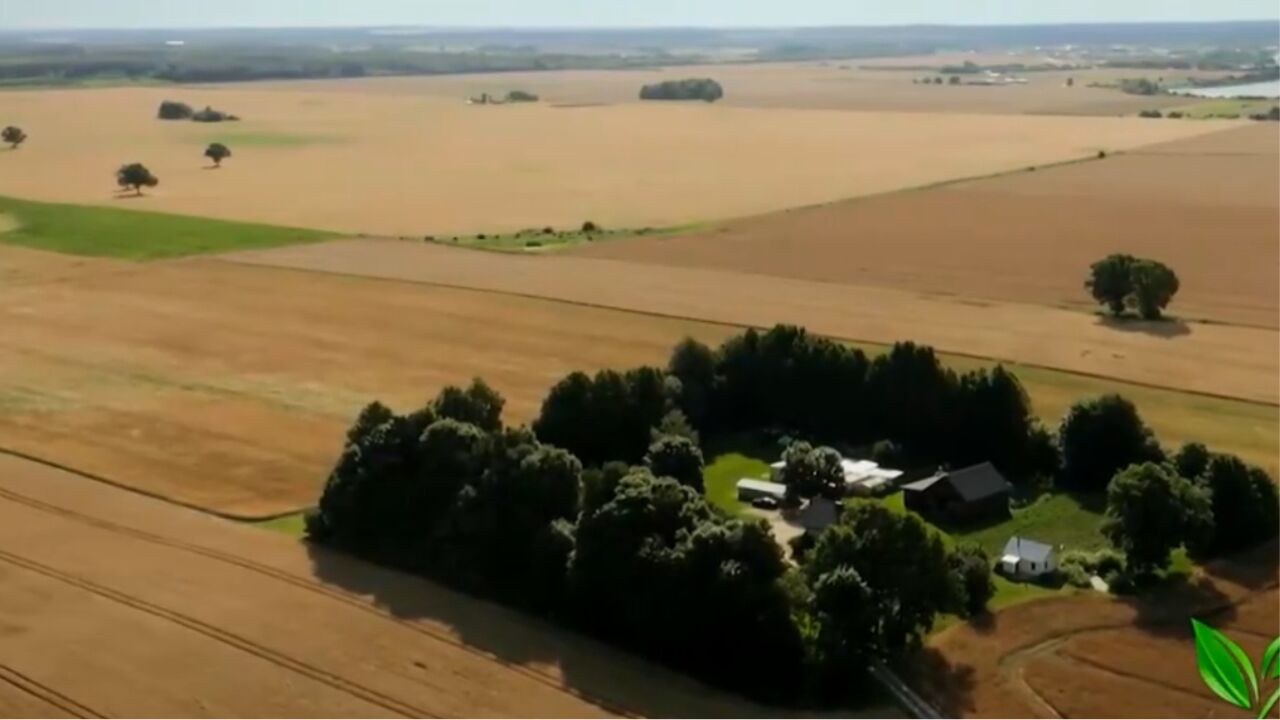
{"x": 704, "y": 89}
{"x": 1123, "y": 282}
{"x": 174, "y": 110}
{"x": 634, "y": 554}
{"x": 595, "y": 517}
{"x": 798, "y": 384}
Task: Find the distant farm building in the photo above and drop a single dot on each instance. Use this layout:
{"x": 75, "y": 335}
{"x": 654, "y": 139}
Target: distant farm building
{"x": 749, "y": 489}
{"x": 818, "y": 514}
{"x": 1027, "y": 558}
{"x": 861, "y": 477}
{"x": 972, "y": 494}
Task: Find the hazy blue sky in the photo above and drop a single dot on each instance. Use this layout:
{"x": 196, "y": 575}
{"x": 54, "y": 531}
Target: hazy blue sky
{"x": 222, "y": 13}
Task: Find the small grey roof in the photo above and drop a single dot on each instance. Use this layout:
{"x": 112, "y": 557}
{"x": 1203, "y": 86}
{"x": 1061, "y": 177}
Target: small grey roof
{"x": 972, "y": 483}
{"x": 818, "y": 514}
{"x": 924, "y": 484}
{"x": 978, "y": 481}
{"x": 1027, "y": 549}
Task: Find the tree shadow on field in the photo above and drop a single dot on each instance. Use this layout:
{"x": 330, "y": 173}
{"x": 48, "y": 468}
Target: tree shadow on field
{"x": 945, "y": 685}
{"x": 1166, "y": 328}
{"x": 620, "y": 683}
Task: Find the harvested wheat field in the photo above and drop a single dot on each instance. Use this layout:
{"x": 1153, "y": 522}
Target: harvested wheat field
{"x": 118, "y": 605}
{"x": 1206, "y": 206}
{"x": 230, "y": 387}
{"x": 867, "y": 84}
{"x": 1089, "y": 656}
{"x": 1244, "y": 358}
{"x": 415, "y": 165}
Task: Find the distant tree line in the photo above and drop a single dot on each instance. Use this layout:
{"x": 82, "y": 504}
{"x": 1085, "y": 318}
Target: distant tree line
{"x": 595, "y": 516}
{"x": 704, "y": 89}
{"x": 793, "y": 383}
{"x": 174, "y": 110}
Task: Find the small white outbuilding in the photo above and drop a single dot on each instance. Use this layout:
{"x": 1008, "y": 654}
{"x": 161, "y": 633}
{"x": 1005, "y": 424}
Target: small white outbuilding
{"x": 1027, "y": 558}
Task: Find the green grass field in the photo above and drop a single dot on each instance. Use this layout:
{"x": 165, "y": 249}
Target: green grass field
{"x": 133, "y": 234}
{"x": 233, "y": 137}
{"x": 722, "y": 473}
{"x": 1224, "y": 106}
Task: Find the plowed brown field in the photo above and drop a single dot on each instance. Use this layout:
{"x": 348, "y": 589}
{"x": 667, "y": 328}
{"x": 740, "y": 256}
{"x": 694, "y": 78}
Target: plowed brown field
{"x": 416, "y": 164}
{"x": 117, "y": 605}
{"x": 1207, "y": 206}
{"x": 1087, "y": 656}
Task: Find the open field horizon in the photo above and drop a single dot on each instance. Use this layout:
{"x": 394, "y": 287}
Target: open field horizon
{"x": 411, "y": 165}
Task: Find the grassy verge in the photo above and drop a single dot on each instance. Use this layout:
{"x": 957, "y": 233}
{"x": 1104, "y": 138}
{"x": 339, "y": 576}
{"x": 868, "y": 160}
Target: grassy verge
{"x": 292, "y": 525}
{"x": 133, "y": 234}
{"x": 550, "y": 239}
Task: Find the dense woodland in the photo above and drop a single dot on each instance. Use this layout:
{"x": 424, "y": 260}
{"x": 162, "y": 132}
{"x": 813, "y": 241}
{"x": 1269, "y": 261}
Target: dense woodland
{"x": 704, "y": 89}
{"x": 594, "y": 517}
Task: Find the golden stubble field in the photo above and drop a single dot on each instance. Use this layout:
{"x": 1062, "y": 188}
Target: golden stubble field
{"x": 409, "y": 163}
{"x": 116, "y": 605}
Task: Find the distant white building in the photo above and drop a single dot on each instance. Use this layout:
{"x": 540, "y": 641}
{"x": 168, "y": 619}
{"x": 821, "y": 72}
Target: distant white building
{"x": 1028, "y": 558}
{"x": 749, "y": 489}
{"x": 861, "y": 477}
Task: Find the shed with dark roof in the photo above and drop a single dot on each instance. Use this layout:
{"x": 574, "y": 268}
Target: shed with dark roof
{"x": 971, "y": 494}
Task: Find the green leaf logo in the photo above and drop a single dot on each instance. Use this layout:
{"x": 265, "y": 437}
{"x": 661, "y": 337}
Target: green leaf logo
{"x": 1224, "y": 666}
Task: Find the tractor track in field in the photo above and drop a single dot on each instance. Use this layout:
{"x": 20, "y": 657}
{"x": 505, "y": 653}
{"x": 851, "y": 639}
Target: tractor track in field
{"x": 303, "y": 584}
{"x": 220, "y": 635}
{"x": 46, "y": 694}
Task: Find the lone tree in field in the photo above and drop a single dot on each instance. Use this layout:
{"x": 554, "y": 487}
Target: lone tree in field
{"x": 14, "y": 136}
{"x": 217, "y": 152}
{"x": 1123, "y": 281}
{"x": 136, "y": 176}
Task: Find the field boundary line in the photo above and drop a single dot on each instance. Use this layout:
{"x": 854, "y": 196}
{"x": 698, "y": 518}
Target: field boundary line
{"x": 226, "y": 637}
{"x": 46, "y": 694}
{"x": 235, "y": 517}
{"x": 338, "y": 595}
{"x": 742, "y": 326}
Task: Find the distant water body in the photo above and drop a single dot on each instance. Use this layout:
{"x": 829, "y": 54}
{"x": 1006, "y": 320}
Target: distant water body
{"x": 1268, "y": 89}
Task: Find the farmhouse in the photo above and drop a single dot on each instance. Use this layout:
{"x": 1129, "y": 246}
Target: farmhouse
{"x": 749, "y": 489}
{"x": 1027, "y": 558}
{"x": 861, "y": 477}
{"x": 974, "y": 493}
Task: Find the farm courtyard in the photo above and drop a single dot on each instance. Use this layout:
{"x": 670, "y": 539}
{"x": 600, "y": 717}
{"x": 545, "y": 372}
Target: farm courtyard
{"x": 216, "y": 366}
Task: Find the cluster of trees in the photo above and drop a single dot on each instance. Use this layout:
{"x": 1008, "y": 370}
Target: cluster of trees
{"x": 14, "y": 136}
{"x": 689, "y": 89}
{"x": 174, "y": 110}
{"x": 793, "y": 383}
{"x": 1272, "y": 115}
{"x": 634, "y": 554}
{"x": 1123, "y": 282}
{"x": 1140, "y": 86}
{"x": 1211, "y": 503}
